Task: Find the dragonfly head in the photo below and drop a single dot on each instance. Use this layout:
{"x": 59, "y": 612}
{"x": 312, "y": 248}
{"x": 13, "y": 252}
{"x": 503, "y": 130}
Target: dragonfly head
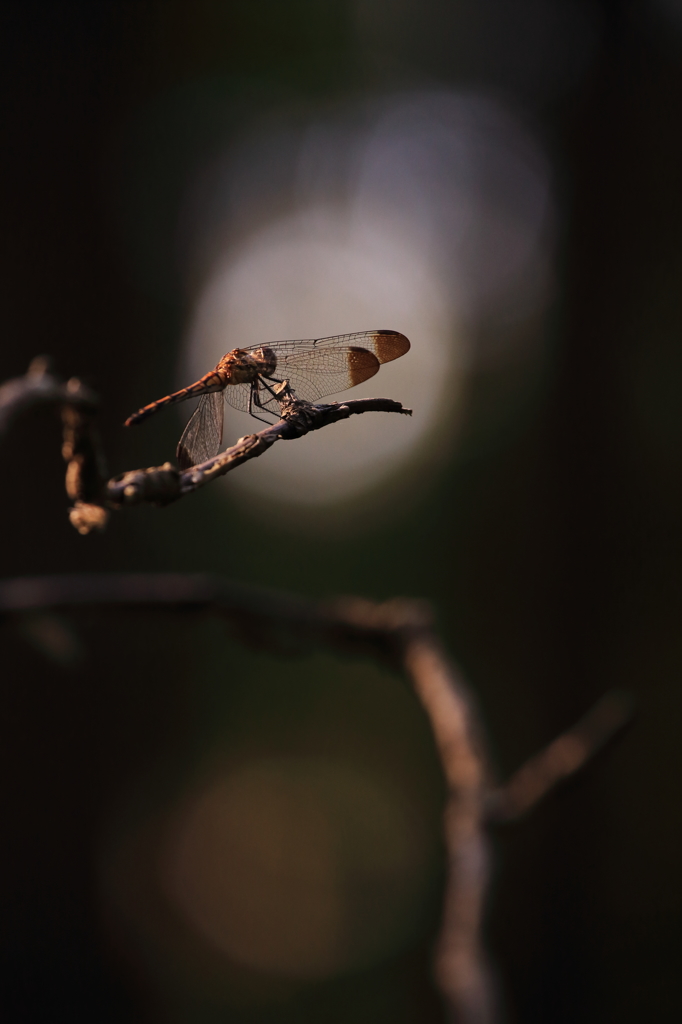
{"x": 266, "y": 359}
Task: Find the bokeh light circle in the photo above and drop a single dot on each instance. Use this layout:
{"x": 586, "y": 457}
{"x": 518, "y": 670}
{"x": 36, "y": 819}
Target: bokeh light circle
{"x": 299, "y": 867}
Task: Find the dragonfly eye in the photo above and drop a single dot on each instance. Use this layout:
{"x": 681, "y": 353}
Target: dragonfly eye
{"x": 268, "y": 360}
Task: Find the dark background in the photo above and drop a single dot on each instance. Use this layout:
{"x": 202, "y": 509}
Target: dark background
{"x": 550, "y": 550}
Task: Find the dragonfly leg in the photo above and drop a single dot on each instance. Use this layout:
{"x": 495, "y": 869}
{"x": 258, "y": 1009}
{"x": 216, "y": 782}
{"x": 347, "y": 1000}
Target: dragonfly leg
{"x": 273, "y": 391}
{"x": 253, "y": 399}
{"x": 284, "y": 391}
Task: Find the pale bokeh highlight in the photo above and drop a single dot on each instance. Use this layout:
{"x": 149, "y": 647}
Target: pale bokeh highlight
{"x": 424, "y": 214}
{"x": 316, "y": 274}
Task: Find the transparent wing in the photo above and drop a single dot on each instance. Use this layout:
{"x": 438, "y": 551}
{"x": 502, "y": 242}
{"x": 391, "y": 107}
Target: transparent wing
{"x": 324, "y": 372}
{"x": 385, "y": 345}
{"x": 203, "y": 436}
{"x": 237, "y": 395}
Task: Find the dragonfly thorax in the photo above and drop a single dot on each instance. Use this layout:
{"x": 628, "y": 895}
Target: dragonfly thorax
{"x": 243, "y": 367}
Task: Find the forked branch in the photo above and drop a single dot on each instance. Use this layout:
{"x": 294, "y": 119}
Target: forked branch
{"x": 399, "y": 634}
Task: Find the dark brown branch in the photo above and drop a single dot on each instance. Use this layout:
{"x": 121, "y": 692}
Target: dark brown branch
{"x": 39, "y": 387}
{"x": 268, "y": 618}
{"x": 81, "y": 447}
{"x": 86, "y": 482}
{"x": 86, "y": 468}
{"x": 163, "y": 484}
{"x": 460, "y": 965}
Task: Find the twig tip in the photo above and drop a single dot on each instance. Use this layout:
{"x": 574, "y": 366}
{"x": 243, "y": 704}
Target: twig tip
{"x": 86, "y": 518}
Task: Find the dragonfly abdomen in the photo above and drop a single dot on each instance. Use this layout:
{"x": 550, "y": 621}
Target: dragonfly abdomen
{"x": 214, "y": 381}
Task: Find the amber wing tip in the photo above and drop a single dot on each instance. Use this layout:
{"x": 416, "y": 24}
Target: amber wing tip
{"x": 362, "y": 364}
{"x": 390, "y": 345}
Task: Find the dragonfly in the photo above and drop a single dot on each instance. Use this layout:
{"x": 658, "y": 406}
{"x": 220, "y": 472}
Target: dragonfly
{"x": 261, "y": 377}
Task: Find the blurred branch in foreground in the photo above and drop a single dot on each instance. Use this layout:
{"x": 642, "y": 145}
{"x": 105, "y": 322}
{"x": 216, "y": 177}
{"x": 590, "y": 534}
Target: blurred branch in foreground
{"x": 86, "y": 483}
{"x": 39, "y": 387}
{"x": 401, "y": 635}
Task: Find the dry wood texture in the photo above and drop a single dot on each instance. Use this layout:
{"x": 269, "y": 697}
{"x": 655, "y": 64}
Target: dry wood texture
{"x": 86, "y": 484}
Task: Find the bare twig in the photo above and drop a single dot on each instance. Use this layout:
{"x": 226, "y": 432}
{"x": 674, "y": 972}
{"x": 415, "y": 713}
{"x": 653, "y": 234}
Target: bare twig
{"x": 85, "y": 467}
{"x": 163, "y": 484}
{"x": 563, "y": 757}
{"x": 81, "y": 446}
{"x": 39, "y": 387}
{"x": 86, "y": 482}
